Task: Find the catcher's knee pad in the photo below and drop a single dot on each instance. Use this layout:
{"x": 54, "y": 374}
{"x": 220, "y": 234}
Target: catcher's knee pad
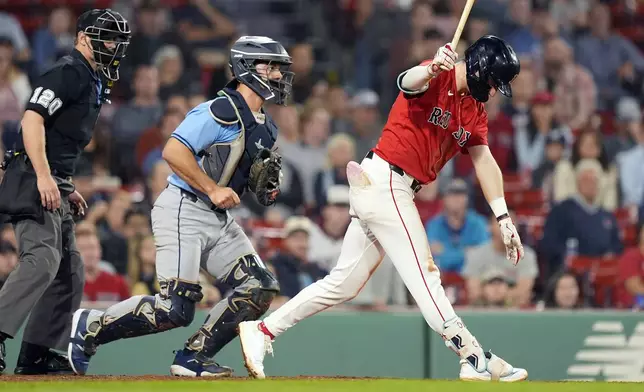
{"x": 464, "y": 344}
{"x": 255, "y": 289}
{"x": 145, "y": 315}
{"x": 183, "y": 297}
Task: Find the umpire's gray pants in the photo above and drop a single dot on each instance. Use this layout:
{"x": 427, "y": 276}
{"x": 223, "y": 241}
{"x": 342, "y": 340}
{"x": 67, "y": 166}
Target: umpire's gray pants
{"x": 48, "y": 281}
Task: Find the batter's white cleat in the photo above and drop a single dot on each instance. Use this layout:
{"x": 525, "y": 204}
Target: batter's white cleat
{"x": 497, "y": 370}
{"x": 254, "y": 344}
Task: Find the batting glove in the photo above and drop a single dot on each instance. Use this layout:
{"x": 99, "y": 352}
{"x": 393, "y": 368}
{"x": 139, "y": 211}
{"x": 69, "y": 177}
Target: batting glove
{"x": 444, "y": 60}
{"x": 513, "y": 247}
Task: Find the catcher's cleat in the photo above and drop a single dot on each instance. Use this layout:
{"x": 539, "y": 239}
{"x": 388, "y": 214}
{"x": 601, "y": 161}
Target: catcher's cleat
{"x": 51, "y": 363}
{"x": 81, "y": 345}
{"x": 254, "y": 344}
{"x": 188, "y": 363}
{"x": 3, "y": 364}
{"x": 497, "y": 370}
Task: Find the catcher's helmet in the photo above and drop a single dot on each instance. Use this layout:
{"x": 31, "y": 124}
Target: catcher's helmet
{"x": 490, "y": 62}
{"x": 110, "y": 35}
{"x": 247, "y": 52}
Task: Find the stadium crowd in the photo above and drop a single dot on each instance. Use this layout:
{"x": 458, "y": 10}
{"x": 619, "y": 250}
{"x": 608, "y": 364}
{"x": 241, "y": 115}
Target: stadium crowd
{"x": 570, "y": 141}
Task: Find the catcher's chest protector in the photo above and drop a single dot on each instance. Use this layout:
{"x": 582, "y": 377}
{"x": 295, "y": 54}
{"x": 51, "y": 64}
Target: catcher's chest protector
{"x": 229, "y": 163}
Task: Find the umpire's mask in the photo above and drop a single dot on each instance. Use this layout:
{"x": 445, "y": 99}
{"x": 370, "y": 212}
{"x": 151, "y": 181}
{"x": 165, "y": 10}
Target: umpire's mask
{"x": 110, "y": 36}
{"x": 262, "y": 64}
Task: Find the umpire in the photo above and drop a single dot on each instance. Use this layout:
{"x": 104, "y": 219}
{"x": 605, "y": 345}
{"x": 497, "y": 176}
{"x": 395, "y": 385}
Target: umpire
{"x": 38, "y": 194}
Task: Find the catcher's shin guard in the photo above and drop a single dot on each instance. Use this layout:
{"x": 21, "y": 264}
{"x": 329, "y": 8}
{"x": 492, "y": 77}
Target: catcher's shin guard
{"x": 143, "y": 315}
{"x": 255, "y": 289}
{"x": 464, "y": 344}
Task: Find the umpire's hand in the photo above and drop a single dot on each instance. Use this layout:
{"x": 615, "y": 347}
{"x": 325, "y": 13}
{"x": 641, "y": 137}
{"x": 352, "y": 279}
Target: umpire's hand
{"x": 49, "y": 193}
{"x": 224, "y": 197}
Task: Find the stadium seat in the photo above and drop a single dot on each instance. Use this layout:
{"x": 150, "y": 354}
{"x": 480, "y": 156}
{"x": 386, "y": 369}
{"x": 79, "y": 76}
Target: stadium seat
{"x": 455, "y": 288}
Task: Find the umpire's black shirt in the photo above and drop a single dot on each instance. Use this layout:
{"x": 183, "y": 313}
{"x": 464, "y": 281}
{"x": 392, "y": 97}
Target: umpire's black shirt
{"x": 68, "y": 97}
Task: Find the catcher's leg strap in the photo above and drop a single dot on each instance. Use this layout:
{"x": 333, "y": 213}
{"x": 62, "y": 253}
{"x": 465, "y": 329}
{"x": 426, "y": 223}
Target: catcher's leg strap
{"x": 143, "y": 315}
{"x": 255, "y": 289}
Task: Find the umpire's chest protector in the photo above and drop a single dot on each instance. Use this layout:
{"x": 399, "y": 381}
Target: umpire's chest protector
{"x": 229, "y": 163}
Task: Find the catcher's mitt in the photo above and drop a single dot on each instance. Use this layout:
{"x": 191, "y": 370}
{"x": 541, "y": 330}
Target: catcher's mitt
{"x": 264, "y": 178}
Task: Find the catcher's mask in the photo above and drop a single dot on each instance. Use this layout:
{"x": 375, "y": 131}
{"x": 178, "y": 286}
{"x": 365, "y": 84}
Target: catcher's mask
{"x": 109, "y": 34}
{"x": 251, "y": 57}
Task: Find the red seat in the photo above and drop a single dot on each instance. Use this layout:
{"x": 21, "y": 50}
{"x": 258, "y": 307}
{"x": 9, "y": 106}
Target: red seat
{"x": 602, "y": 275}
{"x": 527, "y": 199}
{"x": 455, "y": 288}
{"x": 629, "y": 235}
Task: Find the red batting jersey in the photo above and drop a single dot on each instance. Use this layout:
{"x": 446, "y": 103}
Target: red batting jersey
{"x": 426, "y": 130}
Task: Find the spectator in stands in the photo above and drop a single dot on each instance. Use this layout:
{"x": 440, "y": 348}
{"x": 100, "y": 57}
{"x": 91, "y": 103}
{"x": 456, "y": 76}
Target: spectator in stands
{"x": 326, "y": 239}
{"x": 458, "y": 228}
{"x": 628, "y": 124}
{"x": 14, "y": 86}
{"x": 54, "y": 40}
{"x": 131, "y": 119}
{"x": 564, "y": 291}
{"x": 178, "y": 103}
{"x": 339, "y": 107}
{"x": 631, "y": 178}
{"x": 579, "y": 224}
{"x": 294, "y": 270}
{"x": 8, "y": 260}
{"x": 365, "y": 121}
{"x": 588, "y": 145}
{"x": 101, "y": 284}
{"x": 575, "y": 93}
{"x": 137, "y": 223}
{"x": 204, "y": 26}
{"x": 530, "y": 135}
{"x": 151, "y": 143}
{"x": 518, "y": 108}
{"x": 153, "y": 31}
{"x": 518, "y": 32}
{"x": 340, "y": 150}
{"x": 542, "y": 177}
{"x": 571, "y": 16}
{"x": 109, "y": 219}
{"x": 172, "y": 76}
{"x": 141, "y": 268}
{"x": 427, "y": 202}
{"x": 303, "y": 65}
{"x": 610, "y": 58}
{"x": 157, "y": 181}
{"x": 309, "y": 156}
{"x": 495, "y": 289}
{"x": 631, "y": 276}
{"x": 491, "y": 257}
{"x": 10, "y": 27}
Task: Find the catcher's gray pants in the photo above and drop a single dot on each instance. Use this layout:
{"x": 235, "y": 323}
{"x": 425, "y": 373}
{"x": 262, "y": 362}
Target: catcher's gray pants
{"x": 48, "y": 281}
{"x": 189, "y": 236}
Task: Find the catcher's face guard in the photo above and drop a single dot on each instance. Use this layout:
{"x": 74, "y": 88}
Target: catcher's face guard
{"x": 271, "y": 80}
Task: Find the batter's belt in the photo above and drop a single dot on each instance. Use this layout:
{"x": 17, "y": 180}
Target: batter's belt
{"x": 415, "y": 184}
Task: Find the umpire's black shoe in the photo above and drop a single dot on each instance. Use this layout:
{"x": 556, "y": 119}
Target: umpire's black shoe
{"x": 51, "y": 363}
{"x": 3, "y": 364}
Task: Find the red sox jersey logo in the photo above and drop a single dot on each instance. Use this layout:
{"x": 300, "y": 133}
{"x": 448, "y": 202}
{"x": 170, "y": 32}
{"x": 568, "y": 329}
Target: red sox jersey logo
{"x": 441, "y": 118}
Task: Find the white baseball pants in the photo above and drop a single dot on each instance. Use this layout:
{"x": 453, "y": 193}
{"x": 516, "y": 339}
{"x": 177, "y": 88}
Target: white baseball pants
{"x": 385, "y": 220}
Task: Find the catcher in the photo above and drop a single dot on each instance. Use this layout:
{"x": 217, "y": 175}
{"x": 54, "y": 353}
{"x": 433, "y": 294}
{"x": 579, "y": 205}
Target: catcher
{"x": 222, "y": 147}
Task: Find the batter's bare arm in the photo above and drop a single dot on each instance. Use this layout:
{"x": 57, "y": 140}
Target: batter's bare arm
{"x": 416, "y": 79}
{"x": 491, "y": 180}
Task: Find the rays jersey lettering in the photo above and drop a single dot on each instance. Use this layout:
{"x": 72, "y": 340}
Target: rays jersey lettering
{"x": 440, "y": 117}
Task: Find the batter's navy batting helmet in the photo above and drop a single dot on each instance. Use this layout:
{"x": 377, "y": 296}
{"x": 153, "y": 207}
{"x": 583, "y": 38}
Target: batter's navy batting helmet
{"x": 110, "y": 35}
{"x": 490, "y": 62}
{"x": 247, "y": 52}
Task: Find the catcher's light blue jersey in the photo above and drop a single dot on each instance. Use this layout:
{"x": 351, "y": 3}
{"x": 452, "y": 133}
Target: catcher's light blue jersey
{"x": 198, "y": 131}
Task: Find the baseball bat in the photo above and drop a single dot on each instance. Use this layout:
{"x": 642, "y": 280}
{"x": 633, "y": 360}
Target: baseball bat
{"x": 461, "y": 23}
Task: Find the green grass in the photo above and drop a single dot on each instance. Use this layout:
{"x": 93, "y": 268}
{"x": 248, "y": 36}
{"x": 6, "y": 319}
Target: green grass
{"x": 313, "y": 385}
